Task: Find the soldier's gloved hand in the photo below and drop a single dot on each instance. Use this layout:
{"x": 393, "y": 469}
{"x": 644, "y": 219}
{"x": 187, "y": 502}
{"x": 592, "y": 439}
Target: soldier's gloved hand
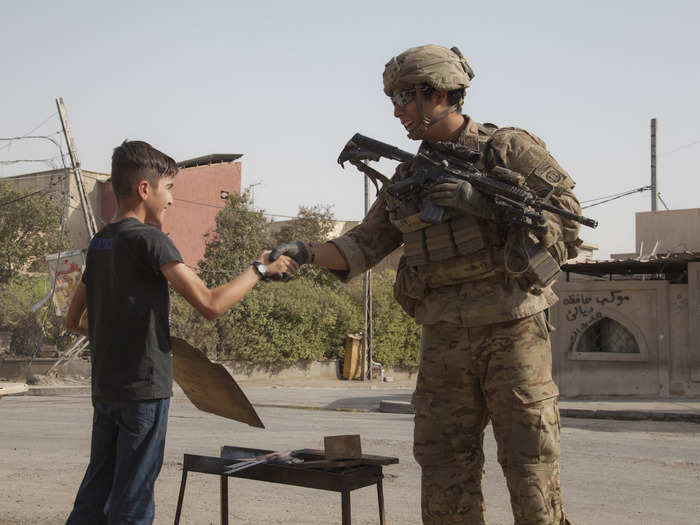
{"x": 460, "y": 194}
{"x": 452, "y": 193}
{"x": 295, "y": 249}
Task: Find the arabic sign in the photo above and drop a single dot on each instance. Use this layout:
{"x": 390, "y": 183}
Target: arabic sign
{"x": 66, "y": 270}
{"x": 583, "y": 310}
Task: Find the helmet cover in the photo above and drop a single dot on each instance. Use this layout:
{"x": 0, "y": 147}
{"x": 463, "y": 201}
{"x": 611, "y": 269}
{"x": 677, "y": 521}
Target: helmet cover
{"x": 441, "y": 68}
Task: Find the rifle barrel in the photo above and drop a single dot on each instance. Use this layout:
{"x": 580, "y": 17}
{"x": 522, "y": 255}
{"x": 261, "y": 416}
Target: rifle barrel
{"x": 591, "y": 223}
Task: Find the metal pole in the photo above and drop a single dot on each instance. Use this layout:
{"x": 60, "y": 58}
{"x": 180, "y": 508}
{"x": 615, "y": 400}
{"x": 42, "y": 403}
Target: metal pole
{"x": 90, "y": 223}
{"x": 367, "y": 308}
{"x": 654, "y": 187}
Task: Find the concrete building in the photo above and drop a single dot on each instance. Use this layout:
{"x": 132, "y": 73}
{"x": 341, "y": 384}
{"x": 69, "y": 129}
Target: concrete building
{"x": 58, "y": 182}
{"x": 200, "y": 190}
{"x": 632, "y": 327}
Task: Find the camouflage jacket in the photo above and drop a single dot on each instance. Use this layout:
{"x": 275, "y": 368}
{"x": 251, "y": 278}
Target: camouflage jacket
{"x": 494, "y": 298}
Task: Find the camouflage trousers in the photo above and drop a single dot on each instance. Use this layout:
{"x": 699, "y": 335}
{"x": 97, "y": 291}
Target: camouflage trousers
{"x": 501, "y": 372}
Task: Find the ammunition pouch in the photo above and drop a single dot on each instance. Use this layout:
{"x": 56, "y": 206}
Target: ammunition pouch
{"x": 409, "y": 290}
{"x": 452, "y": 252}
{"x": 536, "y": 267}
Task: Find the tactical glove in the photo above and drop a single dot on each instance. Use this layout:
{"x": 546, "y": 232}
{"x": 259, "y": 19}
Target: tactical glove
{"x": 460, "y": 194}
{"x": 295, "y": 249}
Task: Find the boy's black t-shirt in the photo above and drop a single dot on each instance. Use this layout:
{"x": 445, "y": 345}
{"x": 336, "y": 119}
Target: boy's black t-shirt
{"x": 128, "y": 307}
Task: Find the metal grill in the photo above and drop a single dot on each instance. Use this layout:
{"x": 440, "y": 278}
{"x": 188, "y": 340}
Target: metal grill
{"x": 607, "y": 335}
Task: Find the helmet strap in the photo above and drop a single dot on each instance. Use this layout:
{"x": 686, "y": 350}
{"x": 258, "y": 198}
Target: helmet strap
{"x": 418, "y": 133}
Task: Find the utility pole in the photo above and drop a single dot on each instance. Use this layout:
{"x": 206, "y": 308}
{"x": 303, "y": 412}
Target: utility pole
{"x": 367, "y": 308}
{"x": 252, "y": 192}
{"x": 90, "y": 223}
{"x": 654, "y": 187}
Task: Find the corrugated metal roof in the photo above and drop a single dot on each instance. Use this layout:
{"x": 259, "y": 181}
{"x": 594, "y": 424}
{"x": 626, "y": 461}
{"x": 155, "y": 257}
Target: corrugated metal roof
{"x": 214, "y": 158}
{"x": 671, "y": 264}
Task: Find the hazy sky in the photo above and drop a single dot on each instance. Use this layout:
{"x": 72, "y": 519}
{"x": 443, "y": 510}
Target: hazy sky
{"x": 288, "y": 83}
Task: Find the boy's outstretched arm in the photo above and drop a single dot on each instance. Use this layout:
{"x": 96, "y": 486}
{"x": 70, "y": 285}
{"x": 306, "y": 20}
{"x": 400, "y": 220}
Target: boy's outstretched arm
{"x": 76, "y": 318}
{"x": 212, "y": 303}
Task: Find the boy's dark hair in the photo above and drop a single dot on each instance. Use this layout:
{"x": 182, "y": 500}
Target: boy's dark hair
{"x": 134, "y": 161}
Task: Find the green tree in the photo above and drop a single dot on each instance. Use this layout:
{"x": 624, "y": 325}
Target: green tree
{"x": 29, "y": 230}
{"x": 240, "y": 236}
{"x": 312, "y": 224}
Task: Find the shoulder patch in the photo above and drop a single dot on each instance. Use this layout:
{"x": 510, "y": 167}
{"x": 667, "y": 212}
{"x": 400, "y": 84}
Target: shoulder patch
{"x": 549, "y": 176}
{"x": 553, "y": 176}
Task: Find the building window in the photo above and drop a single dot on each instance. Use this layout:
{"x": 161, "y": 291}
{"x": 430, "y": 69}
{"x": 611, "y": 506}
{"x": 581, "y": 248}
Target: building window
{"x": 609, "y": 336}
{"x": 223, "y": 194}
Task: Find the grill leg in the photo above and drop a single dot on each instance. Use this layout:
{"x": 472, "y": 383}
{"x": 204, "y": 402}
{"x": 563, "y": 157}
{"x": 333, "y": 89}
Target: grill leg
{"x": 380, "y": 498}
{"x": 181, "y": 496}
{"x": 346, "y": 507}
{"x": 224, "y": 500}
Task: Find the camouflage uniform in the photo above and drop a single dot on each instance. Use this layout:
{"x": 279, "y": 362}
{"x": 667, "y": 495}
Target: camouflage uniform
{"x": 485, "y": 351}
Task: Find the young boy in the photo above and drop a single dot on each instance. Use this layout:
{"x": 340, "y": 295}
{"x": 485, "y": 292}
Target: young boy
{"x": 125, "y": 289}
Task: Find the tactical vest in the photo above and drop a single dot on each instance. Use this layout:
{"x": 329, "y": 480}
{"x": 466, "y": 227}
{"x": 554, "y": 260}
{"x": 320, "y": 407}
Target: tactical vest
{"x": 459, "y": 249}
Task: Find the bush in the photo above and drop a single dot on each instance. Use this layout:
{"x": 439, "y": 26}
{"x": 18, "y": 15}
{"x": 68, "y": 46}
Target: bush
{"x": 187, "y": 323}
{"x": 395, "y": 335}
{"x": 308, "y": 318}
{"x": 279, "y": 324}
{"x": 17, "y": 296}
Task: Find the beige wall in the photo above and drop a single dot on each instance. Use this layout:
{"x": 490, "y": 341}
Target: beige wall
{"x": 55, "y": 181}
{"x": 80, "y": 238}
{"x": 676, "y": 230}
{"x": 664, "y": 319}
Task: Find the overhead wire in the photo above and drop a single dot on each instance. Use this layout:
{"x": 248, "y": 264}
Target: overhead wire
{"x": 608, "y": 198}
{"x": 6, "y": 203}
{"x": 199, "y": 203}
{"x": 679, "y": 148}
{"x": 615, "y": 194}
{"x": 18, "y": 161}
{"x": 51, "y": 174}
{"x": 30, "y": 132}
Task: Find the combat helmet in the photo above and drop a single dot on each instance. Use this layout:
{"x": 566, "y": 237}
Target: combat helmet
{"x": 441, "y": 68}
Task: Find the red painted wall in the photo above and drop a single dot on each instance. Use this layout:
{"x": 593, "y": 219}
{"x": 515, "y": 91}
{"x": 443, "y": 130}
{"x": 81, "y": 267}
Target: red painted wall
{"x": 196, "y": 201}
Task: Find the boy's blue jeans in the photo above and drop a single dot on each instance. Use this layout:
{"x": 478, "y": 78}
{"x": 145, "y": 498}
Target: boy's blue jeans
{"x": 128, "y": 439}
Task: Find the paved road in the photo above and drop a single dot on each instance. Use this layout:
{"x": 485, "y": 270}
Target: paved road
{"x": 614, "y": 472}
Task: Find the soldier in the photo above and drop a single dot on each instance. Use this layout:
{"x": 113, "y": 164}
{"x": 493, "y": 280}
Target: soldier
{"x": 485, "y": 349}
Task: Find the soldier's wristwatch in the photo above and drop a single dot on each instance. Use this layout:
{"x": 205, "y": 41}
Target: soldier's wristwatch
{"x": 261, "y": 270}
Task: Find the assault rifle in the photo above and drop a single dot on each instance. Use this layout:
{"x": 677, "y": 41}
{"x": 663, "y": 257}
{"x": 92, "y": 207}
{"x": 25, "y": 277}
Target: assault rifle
{"x": 446, "y": 160}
